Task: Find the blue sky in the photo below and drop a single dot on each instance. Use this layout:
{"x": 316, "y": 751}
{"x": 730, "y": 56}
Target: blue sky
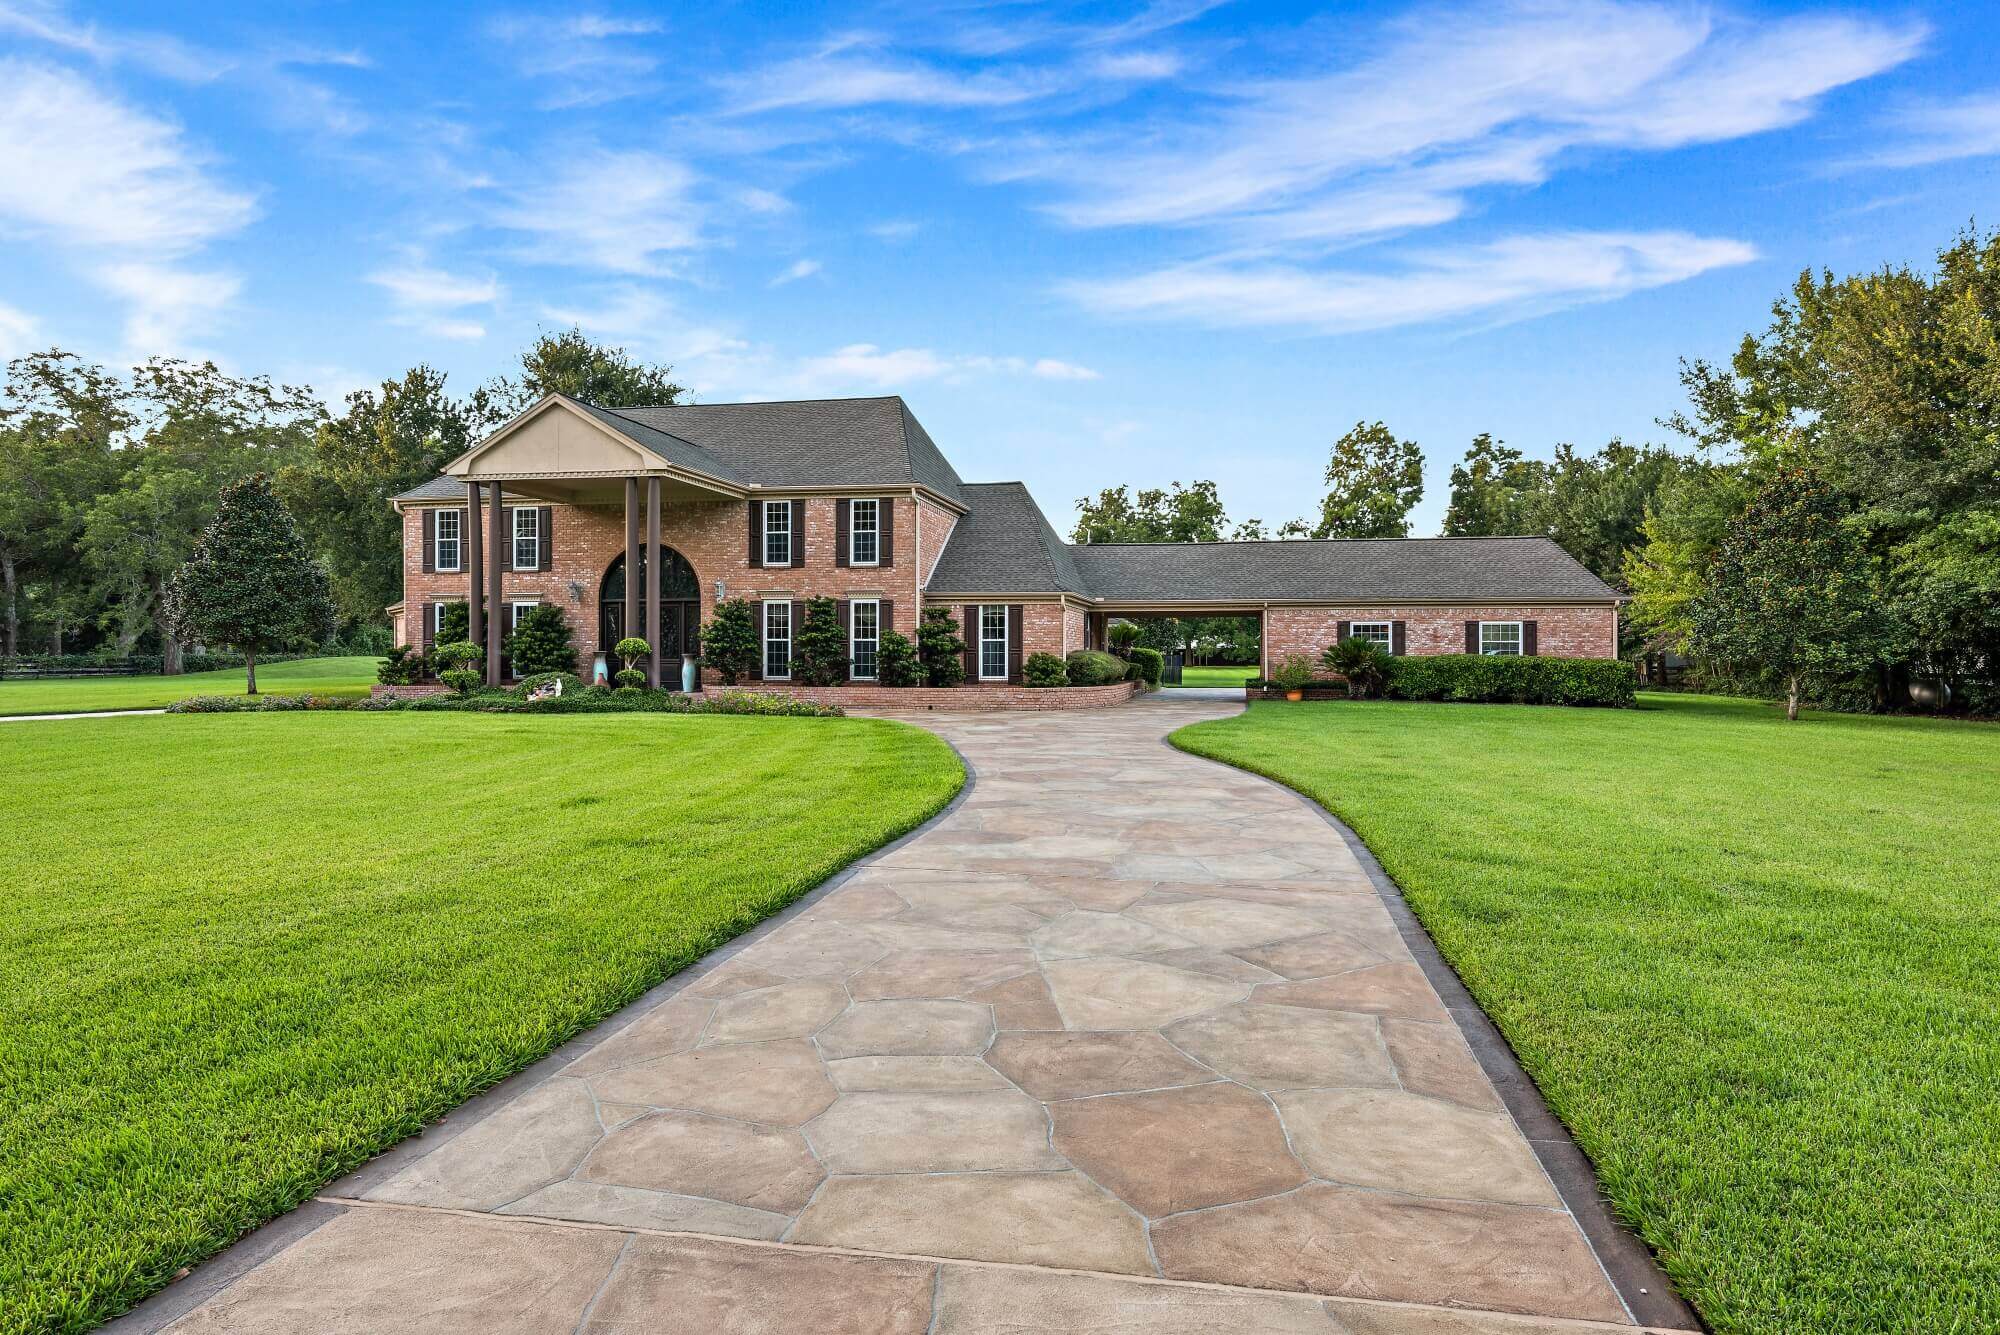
{"x": 1090, "y": 243}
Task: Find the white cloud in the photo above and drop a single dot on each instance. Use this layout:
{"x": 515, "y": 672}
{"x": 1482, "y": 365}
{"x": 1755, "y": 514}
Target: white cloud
{"x": 626, "y": 211}
{"x": 581, "y": 60}
{"x": 45, "y": 21}
{"x": 1943, "y": 132}
{"x": 895, "y": 229}
{"x": 1048, "y": 368}
{"x": 168, "y": 306}
{"x": 434, "y": 300}
{"x": 83, "y": 168}
{"x": 852, "y": 72}
{"x": 865, "y": 365}
{"x": 19, "y": 331}
{"x": 795, "y": 271}
{"x": 1502, "y": 280}
{"x": 1137, "y": 65}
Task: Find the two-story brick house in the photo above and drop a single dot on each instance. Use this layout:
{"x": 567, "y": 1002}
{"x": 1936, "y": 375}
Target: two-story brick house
{"x": 850, "y": 499}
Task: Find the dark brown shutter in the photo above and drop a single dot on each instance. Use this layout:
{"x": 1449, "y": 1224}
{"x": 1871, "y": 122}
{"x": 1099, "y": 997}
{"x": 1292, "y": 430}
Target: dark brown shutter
{"x": 1341, "y": 630}
{"x": 1397, "y": 643}
{"x": 798, "y": 620}
{"x": 798, "y": 533}
{"x": 840, "y": 521}
{"x": 1472, "y": 637}
{"x": 843, "y": 613}
{"x": 757, "y": 673}
{"x": 430, "y": 542}
{"x": 545, "y": 526}
{"x": 969, "y": 628}
{"x": 1528, "y": 639}
{"x": 885, "y": 619}
{"x": 1014, "y": 638}
{"x": 464, "y": 543}
{"x": 756, "y": 535}
{"x": 428, "y": 611}
{"x": 506, "y": 553}
{"x": 885, "y": 531}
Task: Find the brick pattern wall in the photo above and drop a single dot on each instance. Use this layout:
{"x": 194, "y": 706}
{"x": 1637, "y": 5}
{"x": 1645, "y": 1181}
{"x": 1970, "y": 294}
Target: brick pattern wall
{"x": 985, "y": 697}
{"x": 1074, "y": 631}
{"x": 712, "y": 535}
{"x": 938, "y": 525}
{"x": 1561, "y": 632}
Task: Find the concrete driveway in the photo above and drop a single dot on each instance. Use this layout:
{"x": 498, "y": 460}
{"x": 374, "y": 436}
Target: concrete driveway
{"x": 1128, "y": 1040}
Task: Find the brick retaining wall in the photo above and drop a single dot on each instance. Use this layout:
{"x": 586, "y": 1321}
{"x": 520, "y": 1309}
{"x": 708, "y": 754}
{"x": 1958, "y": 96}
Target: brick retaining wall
{"x": 980, "y": 698}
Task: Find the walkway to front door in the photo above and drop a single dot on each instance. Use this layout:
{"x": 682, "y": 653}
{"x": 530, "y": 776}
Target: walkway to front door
{"x": 1128, "y": 1039}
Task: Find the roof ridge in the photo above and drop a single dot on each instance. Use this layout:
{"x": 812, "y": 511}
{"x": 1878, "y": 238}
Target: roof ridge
{"x": 1251, "y": 542}
{"x": 764, "y": 403}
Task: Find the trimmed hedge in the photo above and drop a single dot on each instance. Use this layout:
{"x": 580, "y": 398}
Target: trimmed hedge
{"x": 1093, "y": 667}
{"x": 588, "y": 700}
{"x": 1045, "y": 670}
{"x": 1149, "y": 662}
{"x": 1498, "y": 679}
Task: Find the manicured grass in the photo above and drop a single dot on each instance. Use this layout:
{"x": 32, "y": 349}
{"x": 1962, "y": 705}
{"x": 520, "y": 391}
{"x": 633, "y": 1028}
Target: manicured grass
{"x": 1216, "y": 676}
{"x": 1751, "y": 964}
{"x": 243, "y": 953}
{"x": 77, "y": 695}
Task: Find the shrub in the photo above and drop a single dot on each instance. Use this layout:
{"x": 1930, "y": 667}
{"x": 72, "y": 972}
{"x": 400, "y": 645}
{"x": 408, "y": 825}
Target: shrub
{"x": 405, "y": 665}
{"x": 729, "y": 641}
{"x": 631, "y": 649}
{"x": 1123, "y": 635}
{"x": 571, "y": 683}
{"x": 1093, "y": 667}
{"x": 819, "y": 645}
{"x": 897, "y": 662}
{"x": 630, "y": 678}
{"x": 1363, "y": 663}
{"x": 455, "y": 668}
{"x": 1150, "y": 663}
{"x": 541, "y": 643}
{"x": 1295, "y": 673}
{"x": 1045, "y": 670}
{"x": 453, "y": 623}
{"x": 262, "y": 704}
{"x": 940, "y": 647}
{"x": 1495, "y": 679}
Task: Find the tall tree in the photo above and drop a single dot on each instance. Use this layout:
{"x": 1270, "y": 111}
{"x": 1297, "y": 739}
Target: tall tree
{"x": 251, "y": 582}
{"x": 387, "y": 441}
{"x": 1683, "y": 529}
{"x": 1594, "y": 505}
{"x": 1372, "y": 480}
{"x": 1171, "y": 514}
{"x": 1791, "y": 591}
{"x": 1493, "y": 491}
{"x": 571, "y": 363}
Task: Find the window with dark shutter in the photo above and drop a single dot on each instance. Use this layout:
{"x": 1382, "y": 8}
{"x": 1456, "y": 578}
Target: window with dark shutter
{"x": 1340, "y": 631}
{"x": 968, "y": 628}
{"x": 798, "y": 533}
{"x": 1398, "y": 642}
{"x": 1528, "y": 639}
{"x": 430, "y": 542}
{"x": 1472, "y": 637}
{"x": 840, "y": 515}
{"x": 548, "y": 535}
{"x": 886, "y": 519}
{"x": 1014, "y": 637}
{"x": 756, "y": 534}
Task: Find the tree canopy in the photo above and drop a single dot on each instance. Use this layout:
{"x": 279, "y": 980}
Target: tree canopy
{"x": 569, "y": 362}
{"x": 1373, "y": 480}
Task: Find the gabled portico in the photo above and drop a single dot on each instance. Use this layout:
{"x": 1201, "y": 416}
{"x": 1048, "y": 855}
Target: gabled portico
{"x": 565, "y": 452}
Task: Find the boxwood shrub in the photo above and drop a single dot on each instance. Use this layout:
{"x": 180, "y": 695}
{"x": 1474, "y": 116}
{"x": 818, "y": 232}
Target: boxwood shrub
{"x": 1045, "y": 670}
{"x": 1092, "y": 667}
{"x": 1496, "y": 679}
{"x": 1149, "y": 662}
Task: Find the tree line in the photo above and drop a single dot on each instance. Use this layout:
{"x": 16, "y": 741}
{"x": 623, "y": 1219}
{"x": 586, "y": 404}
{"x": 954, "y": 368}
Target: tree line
{"x": 107, "y": 480}
{"x": 1861, "y": 426}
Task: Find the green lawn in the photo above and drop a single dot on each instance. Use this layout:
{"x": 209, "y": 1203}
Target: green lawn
{"x": 1755, "y": 966}
{"x": 76, "y": 695}
{"x": 1216, "y": 676}
{"x": 243, "y": 953}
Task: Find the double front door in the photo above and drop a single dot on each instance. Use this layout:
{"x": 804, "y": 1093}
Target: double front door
{"x": 680, "y": 628}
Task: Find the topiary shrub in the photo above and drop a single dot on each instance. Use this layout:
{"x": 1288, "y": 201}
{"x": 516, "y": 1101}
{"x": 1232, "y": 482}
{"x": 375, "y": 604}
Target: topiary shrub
{"x": 819, "y": 645}
{"x": 940, "y": 647}
{"x": 405, "y": 665}
{"x": 1362, "y": 662}
{"x": 1497, "y": 679}
{"x": 541, "y": 642}
{"x": 1150, "y": 663}
{"x": 729, "y": 641}
{"x": 454, "y": 661}
{"x": 1045, "y": 670}
{"x": 1093, "y": 667}
{"x": 897, "y": 662}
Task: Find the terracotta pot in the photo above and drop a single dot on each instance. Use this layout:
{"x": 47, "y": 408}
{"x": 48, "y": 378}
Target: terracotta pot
{"x": 1295, "y": 695}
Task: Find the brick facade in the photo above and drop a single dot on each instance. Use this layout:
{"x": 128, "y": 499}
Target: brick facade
{"x": 1561, "y": 632}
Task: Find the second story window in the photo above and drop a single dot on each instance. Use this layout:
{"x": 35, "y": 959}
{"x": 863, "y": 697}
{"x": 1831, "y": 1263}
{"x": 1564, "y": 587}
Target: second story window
{"x": 448, "y": 539}
{"x": 864, "y": 532}
{"x": 527, "y": 538}
{"x": 777, "y": 533}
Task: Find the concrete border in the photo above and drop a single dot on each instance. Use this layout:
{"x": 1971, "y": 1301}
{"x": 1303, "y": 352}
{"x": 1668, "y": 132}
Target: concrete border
{"x": 1644, "y": 1288}
{"x": 208, "y": 1277}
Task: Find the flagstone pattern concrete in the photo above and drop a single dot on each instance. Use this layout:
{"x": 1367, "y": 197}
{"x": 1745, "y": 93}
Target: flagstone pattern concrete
{"x": 1123, "y": 1012}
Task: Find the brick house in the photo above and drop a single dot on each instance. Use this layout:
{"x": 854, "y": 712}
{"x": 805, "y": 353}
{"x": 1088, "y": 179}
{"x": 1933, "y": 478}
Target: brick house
{"x": 850, "y": 499}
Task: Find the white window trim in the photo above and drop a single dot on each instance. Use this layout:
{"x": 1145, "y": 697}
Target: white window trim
{"x": 764, "y": 640}
{"x": 437, "y": 621}
{"x": 515, "y": 554}
{"x": 852, "y": 639}
{"x": 1520, "y": 639}
{"x": 457, "y": 565}
{"x": 853, "y": 532}
{"x": 790, "y": 537}
{"x": 1006, "y": 628}
{"x": 1388, "y": 631}
{"x": 516, "y": 608}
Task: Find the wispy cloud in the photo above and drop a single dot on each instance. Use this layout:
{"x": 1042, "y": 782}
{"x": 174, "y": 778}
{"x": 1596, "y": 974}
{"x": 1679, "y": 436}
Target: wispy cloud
{"x": 18, "y": 331}
{"x": 630, "y": 211}
{"x": 1968, "y": 127}
{"x": 793, "y": 272}
{"x": 1501, "y": 280}
{"x": 867, "y": 366}
{"x": 854, "y": 71}
{"x": 895, "y": 229}
{"x": 436, "y": 301}
{"x": 168, "y": 306}
{"x": 581, "y": 60}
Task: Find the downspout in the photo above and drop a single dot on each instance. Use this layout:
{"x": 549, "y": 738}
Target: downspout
{"x": 917, "y": 573}
{"x": 1264, "y": 642}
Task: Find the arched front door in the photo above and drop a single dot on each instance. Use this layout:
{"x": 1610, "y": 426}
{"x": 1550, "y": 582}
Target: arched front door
{"x": 680, "y": 605}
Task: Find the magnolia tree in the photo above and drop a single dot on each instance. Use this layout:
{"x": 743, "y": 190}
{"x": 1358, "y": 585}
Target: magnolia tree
{"x": 251, "y": 584}
{"x": 1791, "y": 590}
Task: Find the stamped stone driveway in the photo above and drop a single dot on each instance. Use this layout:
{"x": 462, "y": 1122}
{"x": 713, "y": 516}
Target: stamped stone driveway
{"x": 1128, "y": 1040}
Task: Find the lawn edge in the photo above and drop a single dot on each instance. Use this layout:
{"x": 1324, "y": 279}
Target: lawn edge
{"x": 1629, "y": 1264}
{"x": 207, "y": 1276}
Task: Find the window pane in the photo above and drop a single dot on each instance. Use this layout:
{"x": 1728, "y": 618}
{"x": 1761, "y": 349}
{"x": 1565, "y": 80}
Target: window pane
{"x": 777, "y": 639}
{"x": 447, "y": 540}
{"x": 1376, "y": 632}
{"x": 993, "y": 640}
{"x": 527, "y": 538}
{"x": 1500, "y": 637}
{"x": 863, "y": 522}
{"x": 866, "y": 636}
{"x": 777, "y": 533}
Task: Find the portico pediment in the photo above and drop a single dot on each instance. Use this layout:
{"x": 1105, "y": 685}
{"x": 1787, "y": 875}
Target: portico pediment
{"x": 555, "y": 438}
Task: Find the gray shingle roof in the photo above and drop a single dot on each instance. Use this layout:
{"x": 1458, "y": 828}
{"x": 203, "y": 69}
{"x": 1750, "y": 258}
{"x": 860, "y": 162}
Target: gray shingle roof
{"x": 873, "y": 442}
{"x": 1004, "y": 545}
{"x": 1368, "y": 570}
